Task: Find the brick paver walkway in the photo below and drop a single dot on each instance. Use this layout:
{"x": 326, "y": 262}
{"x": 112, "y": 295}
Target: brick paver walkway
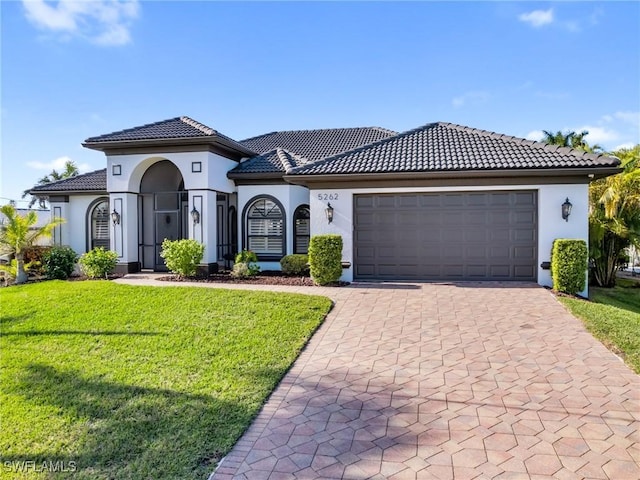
{"x": 446, "y": 381}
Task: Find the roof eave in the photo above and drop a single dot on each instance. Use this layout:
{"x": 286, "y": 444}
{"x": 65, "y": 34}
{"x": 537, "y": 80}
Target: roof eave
{"x": 592, "y": 173}
{"x": 254, "y": 175}
{"x": 67, "y": 192}
{"x": 199, "y": 140}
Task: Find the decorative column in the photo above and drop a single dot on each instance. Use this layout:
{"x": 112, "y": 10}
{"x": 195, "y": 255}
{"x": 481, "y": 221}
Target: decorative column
{"x": 124, "y": 231}
{"x": 203, "y": 227}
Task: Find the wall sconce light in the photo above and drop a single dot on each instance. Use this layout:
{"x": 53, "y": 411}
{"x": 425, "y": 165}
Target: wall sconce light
{"x": 115, "y": 217}
{"x": 195, "y": 215}
{"x": 566, "y": 209}
{"x": 329, "y": 213}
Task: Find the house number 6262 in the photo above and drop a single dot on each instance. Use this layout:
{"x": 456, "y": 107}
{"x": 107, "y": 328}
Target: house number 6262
{"x": 327, "y": 196}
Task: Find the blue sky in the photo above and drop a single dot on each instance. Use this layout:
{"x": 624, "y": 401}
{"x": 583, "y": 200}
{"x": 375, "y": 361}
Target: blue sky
{"x": 71, "y": 70}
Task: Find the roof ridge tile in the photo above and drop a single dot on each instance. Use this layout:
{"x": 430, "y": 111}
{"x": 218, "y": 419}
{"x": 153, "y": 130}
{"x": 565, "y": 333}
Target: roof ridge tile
{"x": 200, "y": 126}
{"x": 127, "y": 130}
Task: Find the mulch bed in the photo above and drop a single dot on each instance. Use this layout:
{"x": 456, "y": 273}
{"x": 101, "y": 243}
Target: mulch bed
{"x": 266, "y": 277}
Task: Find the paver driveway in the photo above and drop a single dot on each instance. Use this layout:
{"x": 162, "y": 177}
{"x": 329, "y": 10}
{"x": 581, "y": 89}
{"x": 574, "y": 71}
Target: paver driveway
{"x": 447, "y": 381}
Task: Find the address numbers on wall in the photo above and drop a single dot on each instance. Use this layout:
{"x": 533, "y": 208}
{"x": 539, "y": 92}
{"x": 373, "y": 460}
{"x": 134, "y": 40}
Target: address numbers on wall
{"x": 327, "y": 196}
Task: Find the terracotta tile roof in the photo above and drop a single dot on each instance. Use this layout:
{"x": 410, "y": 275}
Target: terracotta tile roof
{"x": 95, "y": 181}
{"x": 450, "y": 147}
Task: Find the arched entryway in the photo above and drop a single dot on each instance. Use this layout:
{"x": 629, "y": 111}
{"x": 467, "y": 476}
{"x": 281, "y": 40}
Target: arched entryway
{"x": 162, "y": 209}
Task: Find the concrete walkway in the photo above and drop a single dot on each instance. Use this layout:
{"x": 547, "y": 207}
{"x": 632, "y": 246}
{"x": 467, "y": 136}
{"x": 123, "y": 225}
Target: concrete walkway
{"x": 444, "y": 381}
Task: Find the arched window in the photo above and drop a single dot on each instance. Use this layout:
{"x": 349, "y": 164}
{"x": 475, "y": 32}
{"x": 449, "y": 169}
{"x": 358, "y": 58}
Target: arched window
{"x": 99, "y": 220}
{"x": 265, "y": 228}
{"x": 301, "y": 229}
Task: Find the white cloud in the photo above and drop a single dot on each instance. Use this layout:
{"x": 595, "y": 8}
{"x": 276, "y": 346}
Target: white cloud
{"x": 598, "y": 135}
{"x": 626, "y": 145}
{"x": 537, "y": 18}
{"x": 57, "y": 164}
{"x": 103, "y": 22}
{"x": 474, "y": 98}
{"x": 535, "y": 135}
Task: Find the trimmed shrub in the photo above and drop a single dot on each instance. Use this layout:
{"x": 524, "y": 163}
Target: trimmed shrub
{"x": 182, "y": 256}
{"x": 296, "y": 264}
{"x": 35, "y": 256}
{"x": 325, "y": 258}
{"x": 98, "y": 262}
{"x": 59, "y": 262}
{"x": 245, "y": 264}
{"x": 569, "y": 265}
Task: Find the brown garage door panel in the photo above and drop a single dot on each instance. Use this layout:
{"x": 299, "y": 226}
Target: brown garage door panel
{"x": 444, "y": 236}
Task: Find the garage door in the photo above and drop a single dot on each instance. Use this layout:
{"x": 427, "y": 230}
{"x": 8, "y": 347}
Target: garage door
{"x": 446, "y": 236}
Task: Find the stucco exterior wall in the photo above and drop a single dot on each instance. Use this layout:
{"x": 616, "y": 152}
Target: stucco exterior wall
{"x": 213, "y": 174}
{"x": 74, "y": 230}
{"x": 550, "y": 222}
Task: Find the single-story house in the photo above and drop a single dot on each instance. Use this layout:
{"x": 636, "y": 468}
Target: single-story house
{"x": 439, "y": 202}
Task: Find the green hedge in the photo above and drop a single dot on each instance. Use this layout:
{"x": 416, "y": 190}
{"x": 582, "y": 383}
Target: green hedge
{"x": 569, "y": 265}
{"x": 296, "y": 264}
{"x": 325, "y": 258}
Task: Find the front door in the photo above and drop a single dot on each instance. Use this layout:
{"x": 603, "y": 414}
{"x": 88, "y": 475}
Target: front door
{"x": 167, "y": 227}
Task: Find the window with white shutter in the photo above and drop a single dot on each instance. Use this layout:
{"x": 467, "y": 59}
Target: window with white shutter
{"x": 100, "y": 222}
{"x": 265, "y": 228}
{"x": 301, "y": 229}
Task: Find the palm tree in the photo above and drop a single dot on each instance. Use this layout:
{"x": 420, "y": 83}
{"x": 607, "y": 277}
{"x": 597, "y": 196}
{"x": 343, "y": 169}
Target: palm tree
{"x": 614, "y": 217}
{"x": 70, "y": 170}
{"x": 570, "y": 139}
{"x": 558, "y": 138}
{"x": 17, "y": 233}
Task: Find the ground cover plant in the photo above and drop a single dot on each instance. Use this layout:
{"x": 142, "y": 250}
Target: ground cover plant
{"x": 613, "y": 317}
{"x": 136, "y": 382}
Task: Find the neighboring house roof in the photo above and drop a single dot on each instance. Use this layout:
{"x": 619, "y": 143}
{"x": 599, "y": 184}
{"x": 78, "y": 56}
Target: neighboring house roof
{"x": 174, "y": 129}
{"x": 305, "y": 145}
{"x": 439, "y": 147}
{"x": 95, "y": 181}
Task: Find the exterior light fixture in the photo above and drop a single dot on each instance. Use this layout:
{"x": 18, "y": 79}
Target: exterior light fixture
{"x": 566, "y": 209}
{"x": 115, "y": 217}
{"x": 195, "y": 215}
{"x": 329, "y": 213}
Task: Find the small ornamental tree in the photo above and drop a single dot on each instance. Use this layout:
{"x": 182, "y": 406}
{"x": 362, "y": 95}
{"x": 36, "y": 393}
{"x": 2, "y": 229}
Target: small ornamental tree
{"x": 182, "y": 256}
{"x": 98, "y": 263}
{"x": 18, "y": 232}
{"x": 325, "y": 258}
{"x": 569, "y": 265}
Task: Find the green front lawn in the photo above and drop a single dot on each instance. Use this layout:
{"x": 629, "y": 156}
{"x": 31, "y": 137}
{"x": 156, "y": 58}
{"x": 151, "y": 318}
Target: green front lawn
{"x": 139, "y": 382}
{"x": 613, "y": 317}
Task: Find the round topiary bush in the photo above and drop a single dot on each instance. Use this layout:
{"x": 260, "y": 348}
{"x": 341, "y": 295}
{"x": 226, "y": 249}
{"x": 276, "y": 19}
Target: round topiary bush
{"x": 59, "y": 262}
